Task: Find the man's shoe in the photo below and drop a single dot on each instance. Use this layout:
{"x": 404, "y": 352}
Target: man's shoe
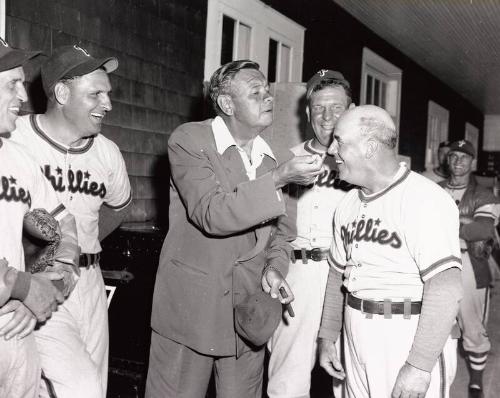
{"x": 475, "y": 391}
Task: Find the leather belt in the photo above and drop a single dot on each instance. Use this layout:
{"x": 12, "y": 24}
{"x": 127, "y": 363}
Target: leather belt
{"x": 88, "y": 260}
{"x": 386, "y": 307}
{"x": 316, "y": 254}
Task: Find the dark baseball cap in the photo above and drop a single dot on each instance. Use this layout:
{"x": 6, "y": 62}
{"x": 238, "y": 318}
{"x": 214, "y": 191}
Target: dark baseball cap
{"x": 257, "y": 317}
{"x": 324, "y": 75}
{"x": 463, "y": 146}
{"x": 11, "y": 57}
{"x": 72, "y": 61}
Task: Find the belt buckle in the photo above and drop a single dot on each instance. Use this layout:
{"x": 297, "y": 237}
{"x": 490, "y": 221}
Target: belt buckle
{"x": 316, "y": 254}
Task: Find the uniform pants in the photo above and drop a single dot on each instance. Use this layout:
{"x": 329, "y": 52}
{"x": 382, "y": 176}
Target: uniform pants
{"x": 473, "y": 313}
{"x": 294, "y": 343}
{"x": 176, "y": 371}
{"x": 377, "y": 348}
{"x": 74, "y": 343}
{"x": 19, "y": 366}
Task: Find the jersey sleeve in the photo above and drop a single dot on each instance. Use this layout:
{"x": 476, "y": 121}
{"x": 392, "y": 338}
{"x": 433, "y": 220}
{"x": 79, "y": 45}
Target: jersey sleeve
{"x": 431, "y": 227}
{"x": 337, "y": 256}
{"x": 118, "y": 193}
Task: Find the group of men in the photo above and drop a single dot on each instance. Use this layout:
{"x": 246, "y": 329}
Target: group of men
{"x": 54, "y": 338}
{"x": 335, "y": 238}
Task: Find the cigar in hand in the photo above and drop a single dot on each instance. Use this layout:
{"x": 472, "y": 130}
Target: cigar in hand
{"x": 288, "y": 306}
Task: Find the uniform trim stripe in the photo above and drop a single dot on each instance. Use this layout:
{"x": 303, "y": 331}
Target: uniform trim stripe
{"x": 484, "y": 214}
{"x": 120, "y": 206}
{"x": 486, "y": 308}
{"x": 363, "y": 198}
{"x": 38, "y": 130}
{"x": 438, "y": 264}
{"x": 309, "y": 148}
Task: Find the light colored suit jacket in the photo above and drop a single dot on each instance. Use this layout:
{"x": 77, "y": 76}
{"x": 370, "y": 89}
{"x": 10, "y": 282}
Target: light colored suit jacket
{"x": 223, "y": 229}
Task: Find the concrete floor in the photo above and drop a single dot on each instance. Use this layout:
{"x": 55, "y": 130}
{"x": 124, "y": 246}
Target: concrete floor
{"x": 492, "y": 373}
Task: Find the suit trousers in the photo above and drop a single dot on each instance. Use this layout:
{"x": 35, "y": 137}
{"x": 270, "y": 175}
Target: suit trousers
{"x": 176, "y": 371}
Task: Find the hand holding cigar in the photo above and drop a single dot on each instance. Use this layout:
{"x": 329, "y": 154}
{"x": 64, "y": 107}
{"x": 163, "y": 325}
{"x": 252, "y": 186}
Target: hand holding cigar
{"x": 288, "y": 306}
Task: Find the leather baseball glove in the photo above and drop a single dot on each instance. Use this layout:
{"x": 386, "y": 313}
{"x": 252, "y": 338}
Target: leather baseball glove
{"x": 41, "y": 239}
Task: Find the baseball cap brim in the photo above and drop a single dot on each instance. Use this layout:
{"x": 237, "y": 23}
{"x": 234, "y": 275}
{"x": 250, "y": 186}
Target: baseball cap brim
{"x": 15, "y": 57}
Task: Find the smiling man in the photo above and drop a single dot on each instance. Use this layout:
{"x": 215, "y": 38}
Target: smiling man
{"x": 396, "y": 251}
{"x": 227, "y": 240}
{"x": 293, "y": 345}
{"x": 479, "y": 213}
{"x": 86, "y": 171}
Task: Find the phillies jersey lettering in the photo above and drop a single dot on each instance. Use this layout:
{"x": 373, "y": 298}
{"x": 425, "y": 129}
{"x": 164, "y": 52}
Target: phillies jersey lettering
{"x": 365, "y": 231}
{"x": 10, "y": 192}
{"x": 77, "y": 182}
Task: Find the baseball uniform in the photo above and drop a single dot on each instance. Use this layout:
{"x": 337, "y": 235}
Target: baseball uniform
{"x": 387, "y": 244}
{"x": 293, "y": 345}
{"x": 84, "y": 178}
{"x": 474, "y": 307}
{"x": 23, "y": 188}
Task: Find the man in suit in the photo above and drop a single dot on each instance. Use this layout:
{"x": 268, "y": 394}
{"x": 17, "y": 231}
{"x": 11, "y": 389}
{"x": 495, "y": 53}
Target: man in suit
{"x": 228, "y": 238}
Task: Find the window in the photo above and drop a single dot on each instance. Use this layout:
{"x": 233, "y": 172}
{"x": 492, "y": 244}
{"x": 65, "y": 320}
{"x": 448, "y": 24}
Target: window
{"x": 380, "y": 84}
{"x": 2, "y": 18}
{"x": 437, "y": 132}
{"x": 249, "y": 29}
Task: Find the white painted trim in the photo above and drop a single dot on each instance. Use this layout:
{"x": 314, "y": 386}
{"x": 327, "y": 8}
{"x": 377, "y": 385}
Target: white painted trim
{"x": 265, "y": 23}
{"x": 387, "y": 72}
{"x": 437, "y": 131}
{"x": 3, "y": 12}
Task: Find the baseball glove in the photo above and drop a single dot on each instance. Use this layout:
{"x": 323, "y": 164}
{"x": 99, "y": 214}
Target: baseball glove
{"x": 41, "y": 240}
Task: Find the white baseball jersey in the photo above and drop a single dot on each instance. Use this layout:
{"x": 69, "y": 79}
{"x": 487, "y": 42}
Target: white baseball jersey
{"x": 316, "y": 204}
{"x": 389, "y": 243}
{"x": 83, "y": 177}
{"x": 23, "y": 188}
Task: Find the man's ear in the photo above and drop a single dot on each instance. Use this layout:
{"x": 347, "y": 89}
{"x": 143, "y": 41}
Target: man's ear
{"x": 371, "y": 148}
{"x": 352, "y": 106}
{"x": 61, "y": 93}
{"x": 225, "y": 104}
{"x": 474, "y": 164}
{"x": 308, "y": 114}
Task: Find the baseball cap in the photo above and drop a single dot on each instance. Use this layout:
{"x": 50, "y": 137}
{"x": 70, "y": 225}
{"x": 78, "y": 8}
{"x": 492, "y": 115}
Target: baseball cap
{"x": 257, "y": 317}
{"x": 71, "y": 61}
{"x": 11, "y": 57}
{"x": 324, "y": 75}
{"x": 463, "y": 146}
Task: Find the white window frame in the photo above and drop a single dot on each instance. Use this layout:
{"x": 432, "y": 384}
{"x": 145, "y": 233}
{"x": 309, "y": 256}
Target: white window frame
{"x": 2, "y": 18}
{"x": 266, "y": 23}
{"x": 391, "y": 74}
{"x": 438, "y": 119}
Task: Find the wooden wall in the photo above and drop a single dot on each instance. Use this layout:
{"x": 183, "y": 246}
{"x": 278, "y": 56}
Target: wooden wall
{"x": 160, "y": 45}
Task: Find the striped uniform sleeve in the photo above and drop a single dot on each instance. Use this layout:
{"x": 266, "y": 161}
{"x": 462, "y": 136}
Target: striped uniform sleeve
{"x": 337, "y": 254}
{"x": 118, "y": 191}
{"x": 431, "y": 228}
{"x": 489, "y": 210}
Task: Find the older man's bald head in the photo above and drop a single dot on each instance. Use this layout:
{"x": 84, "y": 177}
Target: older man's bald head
{"x": 372, "y": 121}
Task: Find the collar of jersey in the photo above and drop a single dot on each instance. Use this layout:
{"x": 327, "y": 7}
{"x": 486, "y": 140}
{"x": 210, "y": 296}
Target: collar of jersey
{"x": 400, "y": 177}
{"x": 57, "y": 145}
{"x": 309, "y": 148}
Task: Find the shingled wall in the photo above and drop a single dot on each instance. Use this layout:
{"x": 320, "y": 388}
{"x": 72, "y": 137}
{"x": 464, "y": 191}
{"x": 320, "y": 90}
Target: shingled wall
{"x": 160, "y": 45}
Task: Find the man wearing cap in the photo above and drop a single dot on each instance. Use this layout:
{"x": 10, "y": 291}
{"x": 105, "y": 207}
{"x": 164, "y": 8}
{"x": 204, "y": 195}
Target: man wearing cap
{"x": 24, "y": 298}
{"x": 293, "y": 345}
{"x": 396, "y": 253}
{"x": 86, "y": 170}
{"x": 441, "y": 172}
{"x": 479, "y": 210}
{"x": 227, "y": 242}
